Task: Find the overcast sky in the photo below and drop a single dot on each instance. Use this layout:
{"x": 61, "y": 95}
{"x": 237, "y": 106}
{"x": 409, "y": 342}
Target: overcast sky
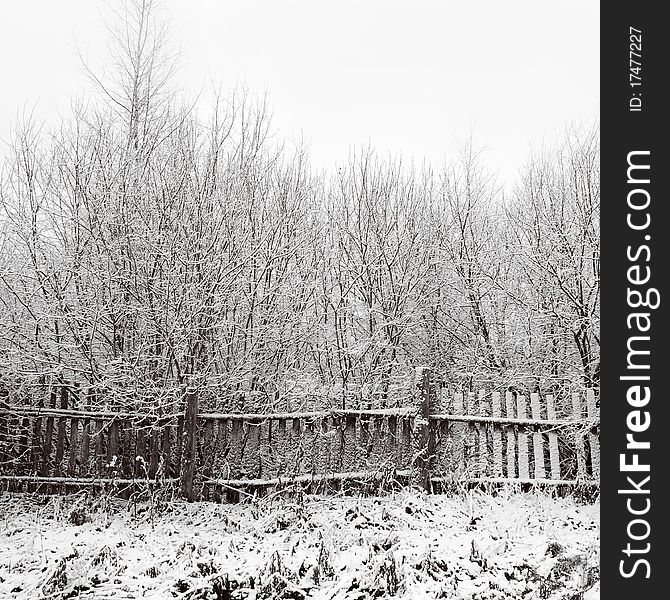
{"x": 410, "y": 77}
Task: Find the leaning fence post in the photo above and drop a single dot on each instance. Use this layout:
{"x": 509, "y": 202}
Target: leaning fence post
{"x": 189, "y": 447}
{"x": 423, "y": 446}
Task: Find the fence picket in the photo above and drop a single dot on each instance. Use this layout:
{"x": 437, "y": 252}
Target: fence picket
{"x": 579, "y": 436}
{"x": 24, "y": 447}
{"x": 72, "y": 462}
{"x": 167, "y": 450}
{"x": 392, "y": 440}
{"x": 99, "y": 447}
{"x": 407, "y": 424}
{"x": 207, "y": 454}
{"x": 482, "y": 434}
{"x": 554, "y": 460}
{"x": 459, "y": 435}
{"x": 153, "y": 452}
{"x": 60, "y": 436}
{"x": 522, "y": 438}
{"x": 223, "y": 447}
{"x": 85, "y": 447}
{"x": 252, "y": 454}
{"x": 470, "y": 436}
{"x": 496, "y": 436}
{"x": 140, "y": 465}
{"x": 5, "y": 427}
{"x": 538, "y": 441}
{"x": 594, "y": 443}
{"x": 36, "y": 446}
{"x": 46, "y": 454}
{"x": 113, "y": 445}
{"x": 178, "y": 445}
{"x": 511, "y": 441}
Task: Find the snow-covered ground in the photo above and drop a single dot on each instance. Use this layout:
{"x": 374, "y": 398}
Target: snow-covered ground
{"x": 405, "y": 545}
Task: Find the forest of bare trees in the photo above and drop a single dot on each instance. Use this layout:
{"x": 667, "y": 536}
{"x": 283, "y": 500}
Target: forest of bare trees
{"x": 144, "y": 244}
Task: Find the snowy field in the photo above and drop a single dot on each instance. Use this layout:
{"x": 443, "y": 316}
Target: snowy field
{"x": 405, "y": 546}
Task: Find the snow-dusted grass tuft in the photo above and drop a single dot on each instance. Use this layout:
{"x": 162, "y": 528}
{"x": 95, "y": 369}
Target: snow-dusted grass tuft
{"x": 407, "y": 545}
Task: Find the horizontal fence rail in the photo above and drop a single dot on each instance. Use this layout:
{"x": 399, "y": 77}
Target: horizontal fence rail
{"x": 441, "y": 439}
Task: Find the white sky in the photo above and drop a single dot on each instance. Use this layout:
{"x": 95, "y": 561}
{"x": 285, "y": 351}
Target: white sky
{"x": 410, "y": 76}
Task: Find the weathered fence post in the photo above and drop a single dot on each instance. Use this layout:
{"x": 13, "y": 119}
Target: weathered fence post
{"x": 423, "y": 443}
{"x": 189, "y": 446}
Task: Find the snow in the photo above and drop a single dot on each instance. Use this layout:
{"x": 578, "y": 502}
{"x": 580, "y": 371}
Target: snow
{"x": 290, "y": 545}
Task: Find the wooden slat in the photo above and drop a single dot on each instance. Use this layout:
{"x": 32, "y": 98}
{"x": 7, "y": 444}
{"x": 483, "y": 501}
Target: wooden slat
{"x": 139, "y": 457}
{"x": 309, "y": 478}
{"x": 60, "y": 438}
{"x": 433, "y": 448}
{"x": 46, "y": 451}
{"x": 407, "y": 425}
{"x": 459, "y": 432}
{"x": 127, "y": 453}
{"x": 4, "y": 441}
{"x": 538, "y": 442}
{"x": 375, "y": 431}
{"x": 543, "y": 423}
{"x": 483, "y": 437}
{"x": 310, "y": 415}
{"x": 440, "y": 433}
{"x": 390, "y": 447}
{"x": 278, "y": 448}
{"x": 496, "y": 436}
{"x": 235, "y": 447}
{"x": 318, "y": 451}
{"x": 529, "y": 481}
{"x": 223, "y": 442}
{"x": 348, "y": 441}
{"x": 113, "y": 446}
{"x": 37, "y": 445}
{"x": 153, "y": 452}
{"x": 511, "y": 441}
{"x": 72, "y": 462}
{"x": 361, "y": 445}
{"x": 252, "y": 450}
{"x": 178, "y": 444}
{"x": 394, "y": 450}
{"x": 76, "y": 481}
{"x": 579, "y": 437}
{"x": 166, "y": 451}
{"x": 268, "y": 442}
{"x": 471, "y": 434}
{"x": 99, "y": 448}
{"x": 594, "y": 443}
{"x": 522, "y": 438}
{"x": 328, "y": 444}
{"x": 552, "y": 436}
{"x": 52, "y": 411}
{"x": 445, "y": 462}
{"x": 338, "y": 443}
{"x": 24, "y": 447}
{"x": 85, "y": 447}
{"x": 207, "y": 453}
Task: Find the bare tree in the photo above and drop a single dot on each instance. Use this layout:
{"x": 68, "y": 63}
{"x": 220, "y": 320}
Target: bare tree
{"x": 555, "y": 220}
{"x": 145, "y": 243}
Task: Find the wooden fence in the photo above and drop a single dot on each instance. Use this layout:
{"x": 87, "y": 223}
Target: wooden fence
{"x": 439, "y": 439}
